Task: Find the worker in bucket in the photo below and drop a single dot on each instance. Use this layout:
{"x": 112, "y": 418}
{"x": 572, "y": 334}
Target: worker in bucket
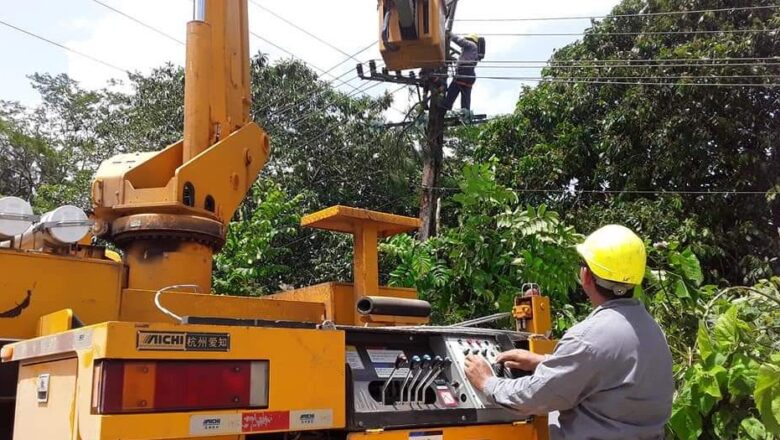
{"x": 610, "y": 376}
{"x": 465, "y": 75}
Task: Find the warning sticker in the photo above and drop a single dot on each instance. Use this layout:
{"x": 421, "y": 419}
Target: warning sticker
{"x": 265, "y": 421}
{"x": 385, "y": 372}
{"x": 215, "y": 424}
{"x": 382, "y": 356}
{"x": 311, "y": 419}
{"x": 182, "y": 341}
{"x": 353, "y": 358}
{"x": 426, "y": 435}
{"x": 446, "y": 396}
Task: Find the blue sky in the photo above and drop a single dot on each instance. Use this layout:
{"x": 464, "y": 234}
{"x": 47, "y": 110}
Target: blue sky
{"x": 89, "y": 27}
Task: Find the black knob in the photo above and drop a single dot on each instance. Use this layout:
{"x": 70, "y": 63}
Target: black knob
{"x": 484, "y": 352}
{"x": 401, "y": 361}
{"x": 474, "y": 351}
{"x": 446, "y": 362}
{"x": 466, "y": 351}
{"x": 415, "y": 361}
{"x": 426, "y": 362}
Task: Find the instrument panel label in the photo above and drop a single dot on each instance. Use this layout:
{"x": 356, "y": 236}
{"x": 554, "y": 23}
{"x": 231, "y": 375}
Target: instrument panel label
{"x": 182, "y": 341}
{"x": 383, "y": 356}
{"x": 353, "y": 358}
{"x": 426, "y": 435}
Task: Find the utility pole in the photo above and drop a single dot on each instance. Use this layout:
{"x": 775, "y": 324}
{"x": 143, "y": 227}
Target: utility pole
{"x": 433, "y": 160}
{"x": 433, "y": 79}
{"x": 433, "y": 148}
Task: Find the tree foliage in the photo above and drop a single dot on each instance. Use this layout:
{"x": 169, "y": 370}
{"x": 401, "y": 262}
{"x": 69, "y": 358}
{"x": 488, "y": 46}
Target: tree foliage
{"x": 670, "y": 139}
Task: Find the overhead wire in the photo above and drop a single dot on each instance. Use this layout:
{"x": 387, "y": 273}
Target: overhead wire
{"x": 599, "y": 17}
{"x": 615, "y": 34}
{"x": 608, "y": 191}
{"x": 285, "y": 20}
{"x": 139, "y": 22}
{"x": 638, "y": 83}
{"x": 66, "y": 48}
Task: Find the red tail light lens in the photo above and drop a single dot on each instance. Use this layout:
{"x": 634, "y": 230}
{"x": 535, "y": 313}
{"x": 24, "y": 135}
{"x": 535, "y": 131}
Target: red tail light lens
{"x": 157, "y": 386}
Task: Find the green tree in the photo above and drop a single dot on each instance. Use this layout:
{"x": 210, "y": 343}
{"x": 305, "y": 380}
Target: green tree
{"x": 569, "y": 134}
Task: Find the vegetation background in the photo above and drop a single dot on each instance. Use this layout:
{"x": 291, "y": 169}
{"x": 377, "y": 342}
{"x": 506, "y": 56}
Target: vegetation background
{"x": 695, "y": 170}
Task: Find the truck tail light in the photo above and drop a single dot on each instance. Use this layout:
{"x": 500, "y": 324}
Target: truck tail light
{"x": 121, "y": 386}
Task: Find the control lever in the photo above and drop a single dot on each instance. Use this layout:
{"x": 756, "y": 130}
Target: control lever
{"x": 444, "y": 365}
{"x": 424, "y": 366}
{"x": 400, "y": 362}
{"x": 439, "y": 366}
{"x": 435, "y": 364}
{"x": 414, "y": 364}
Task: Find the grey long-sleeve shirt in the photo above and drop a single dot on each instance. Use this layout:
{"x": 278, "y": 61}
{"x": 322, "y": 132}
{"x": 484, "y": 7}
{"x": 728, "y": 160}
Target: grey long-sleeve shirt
{"x": 470, "y": 52}
{"x": 610, "y": 377}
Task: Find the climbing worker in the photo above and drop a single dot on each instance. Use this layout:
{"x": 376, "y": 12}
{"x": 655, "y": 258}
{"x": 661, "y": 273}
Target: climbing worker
{"x": 610, "y": 376}
{"x": 465, "y": 75}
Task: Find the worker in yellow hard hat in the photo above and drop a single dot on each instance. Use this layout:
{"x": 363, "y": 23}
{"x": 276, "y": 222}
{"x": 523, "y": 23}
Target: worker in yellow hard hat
{"x": 610, "y": 376}
{"x": 465, "y": 73}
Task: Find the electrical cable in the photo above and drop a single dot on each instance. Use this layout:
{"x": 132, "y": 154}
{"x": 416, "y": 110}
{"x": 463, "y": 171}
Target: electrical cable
{"x": 258, "y": 5}
{"x": 599, "y": 81}
{"x": 599, "y": 17}
{"x": 138, "y": 21}
{"x": 69, "y": 49}
{"x": 606, "y": 191}
{"x": 615, "y": 34}
{"x": 329, "y": 83}
{"x": 259, "y": 37}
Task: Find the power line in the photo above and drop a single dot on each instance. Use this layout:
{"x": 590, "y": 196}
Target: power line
{"x": 258, "y": 5}
{"x": 619, "y": 60}
{"x": 329, "y": 83}
{"x": 616, "y": 34}
{"x": 607, "y": 191}
{"x": 256, "y": 35}
{"x": 137, "y": 21}
{"x": 633, "y": 83}
{"x": 62, "y": 46}
{"x": 609, "y": 66}
{"x": 598, "y": 17}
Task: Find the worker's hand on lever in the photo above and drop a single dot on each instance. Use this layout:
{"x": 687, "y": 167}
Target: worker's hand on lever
{"x": 478, "y": 371}
{"x": 519, "y": 359}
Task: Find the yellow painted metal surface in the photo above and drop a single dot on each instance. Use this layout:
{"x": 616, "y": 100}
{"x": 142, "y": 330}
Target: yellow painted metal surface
{"x": 427, "y": 51}
{"x": 54, "y": 418}
{"x": 155, "y": 264}
{"x": 138, "y": 306}
{"x": 339, "y": 299}
{"x": 35, "y": 284}
{"x": 56, "y": 322}
{"x": 226, "y": 170}
{"x": 483, "y": 432}
{"x": 306, "y": 372}
{"x": 346, "y": 219}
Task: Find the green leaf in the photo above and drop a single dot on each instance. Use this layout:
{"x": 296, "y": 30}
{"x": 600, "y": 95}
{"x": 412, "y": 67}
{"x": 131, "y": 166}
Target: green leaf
{"x": 686, "y": 422}
{"x": 767, "y": 394}
{"x": 691, "y": 267}
{"x": 704, "y": 343}
{"x": 726, "y": 330}
{"x": 752, "y": 429}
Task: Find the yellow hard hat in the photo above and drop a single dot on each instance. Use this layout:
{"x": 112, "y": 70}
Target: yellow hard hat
{"x": 614, "y": 253}
{"x": 473, "y": 37}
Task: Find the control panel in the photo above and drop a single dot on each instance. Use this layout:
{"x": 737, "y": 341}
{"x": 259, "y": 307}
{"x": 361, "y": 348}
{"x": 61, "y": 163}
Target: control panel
{"x": 415, "y": 377}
